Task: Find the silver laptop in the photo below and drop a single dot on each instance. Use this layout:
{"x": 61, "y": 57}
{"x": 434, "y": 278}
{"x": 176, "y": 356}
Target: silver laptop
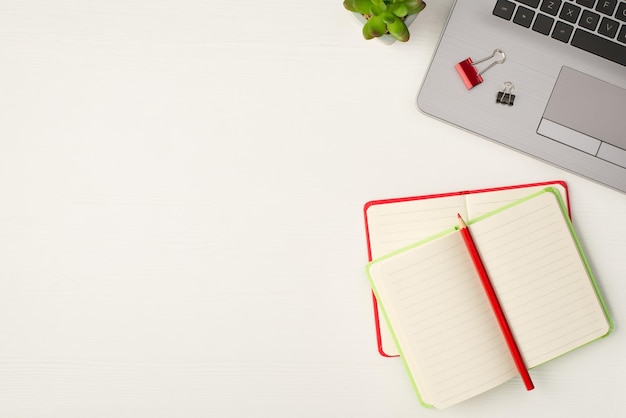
{"x": 545, "y": 77}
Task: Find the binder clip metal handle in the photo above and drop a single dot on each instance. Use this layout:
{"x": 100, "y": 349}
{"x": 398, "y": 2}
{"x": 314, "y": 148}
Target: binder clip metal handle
{"x": 468, "y": 72}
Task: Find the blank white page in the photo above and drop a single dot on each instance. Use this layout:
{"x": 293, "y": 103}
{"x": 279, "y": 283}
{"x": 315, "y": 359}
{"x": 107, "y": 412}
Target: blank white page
{"x": 541, "y": 281}
{"x": 448, "y": 335}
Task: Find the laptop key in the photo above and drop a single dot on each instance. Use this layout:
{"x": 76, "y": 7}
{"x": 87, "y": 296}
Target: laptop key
{"x": 599, "y": 46}
{"x": 530, "y": 3}
{"x": 608, "y": 27}
{"x": 586, "y": 3}
{"x": 543, "y": 24}
{"x": 562, "y": 31}
{"x": 570, "y": 12}
{"x": 621, "y": 12}
{"x": 606, "y": 6}
{"x": 589, "y": 20}
{"x": 621, "y": 36}
{"x": 504, "y": 9}
{"x": 524, "y": 16}
{"x": 551, "y": 6}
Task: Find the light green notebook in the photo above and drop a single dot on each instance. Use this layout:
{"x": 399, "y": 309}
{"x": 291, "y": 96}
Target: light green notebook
{"x": 440, "y": 316}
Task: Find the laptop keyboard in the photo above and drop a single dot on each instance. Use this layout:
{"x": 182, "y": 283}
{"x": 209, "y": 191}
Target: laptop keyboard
{"x": 596, "y": 26}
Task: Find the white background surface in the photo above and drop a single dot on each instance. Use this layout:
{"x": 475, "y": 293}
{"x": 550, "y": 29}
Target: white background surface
{"x": 181, "y": 230}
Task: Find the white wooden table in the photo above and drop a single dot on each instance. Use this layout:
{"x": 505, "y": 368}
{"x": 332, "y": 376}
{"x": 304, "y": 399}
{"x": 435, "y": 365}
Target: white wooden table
{"x": 181, "y": 230}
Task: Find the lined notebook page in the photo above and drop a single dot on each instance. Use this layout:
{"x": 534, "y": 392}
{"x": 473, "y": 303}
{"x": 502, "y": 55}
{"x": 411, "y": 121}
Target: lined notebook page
{"x": 450, "y": 339}
{"x": 480, "y": 203}
{"x": 392, "y": 226}
{"x": 540, "y": 279}
{"x": 395, "y": 225}
{"x": 399, "y": 224}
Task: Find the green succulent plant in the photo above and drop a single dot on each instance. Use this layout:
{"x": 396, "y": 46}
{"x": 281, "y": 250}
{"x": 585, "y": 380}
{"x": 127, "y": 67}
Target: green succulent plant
{"x": 385, "y": 16}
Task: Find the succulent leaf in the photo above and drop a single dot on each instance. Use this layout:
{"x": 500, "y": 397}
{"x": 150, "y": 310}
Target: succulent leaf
{"x": 362, "y": 6}
{"x": 414, "y": 6}
{"x": 349, "y": 5}
{"x": 400, "y": 9}
{"x": 398, "y": 30}
{"x": 379, "y": 9}
{"x": 374, "y": 27}
{"x": 389, "y": 18}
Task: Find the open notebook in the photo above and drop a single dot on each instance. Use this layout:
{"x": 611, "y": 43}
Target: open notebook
{"x": 392, "y": 224}
{"x": 439, "y": 314}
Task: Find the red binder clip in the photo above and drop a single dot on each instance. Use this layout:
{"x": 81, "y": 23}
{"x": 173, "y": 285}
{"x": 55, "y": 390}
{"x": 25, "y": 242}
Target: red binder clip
{"x": 470, "y": 76}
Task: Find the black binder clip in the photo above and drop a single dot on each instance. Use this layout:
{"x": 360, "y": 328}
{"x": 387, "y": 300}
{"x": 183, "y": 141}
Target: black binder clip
{"x": 470, "y": 75}
{"x": 506, "y": 96}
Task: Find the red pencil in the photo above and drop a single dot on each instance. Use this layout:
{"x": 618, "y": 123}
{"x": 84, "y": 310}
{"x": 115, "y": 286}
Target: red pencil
{"x": 495, "y": 305}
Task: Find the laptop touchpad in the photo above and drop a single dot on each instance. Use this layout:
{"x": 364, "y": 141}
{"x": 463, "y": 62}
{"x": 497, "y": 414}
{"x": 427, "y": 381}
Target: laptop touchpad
{"x": 587, "y": 113}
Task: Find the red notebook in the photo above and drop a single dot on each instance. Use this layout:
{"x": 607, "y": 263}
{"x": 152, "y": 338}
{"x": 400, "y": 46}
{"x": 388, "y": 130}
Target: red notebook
{"x": 391, "y": 224}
